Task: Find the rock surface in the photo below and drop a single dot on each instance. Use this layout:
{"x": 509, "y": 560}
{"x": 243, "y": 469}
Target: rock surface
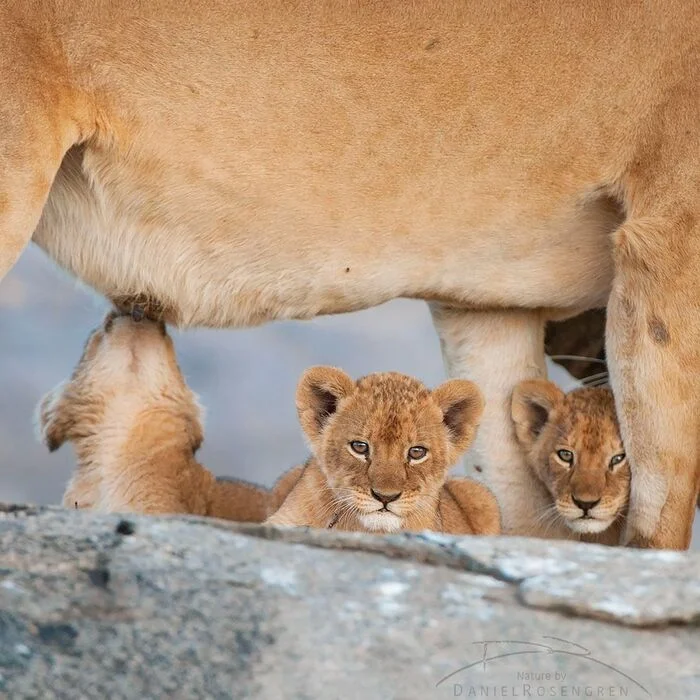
{"x": 134, "y": 607}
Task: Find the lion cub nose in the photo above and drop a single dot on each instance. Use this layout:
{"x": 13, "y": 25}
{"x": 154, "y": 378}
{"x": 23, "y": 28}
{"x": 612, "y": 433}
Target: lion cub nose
{"x": 585, "y": 506}
{"x": 385, "y": 498}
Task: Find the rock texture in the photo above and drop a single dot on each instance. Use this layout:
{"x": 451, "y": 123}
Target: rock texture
{"x": 135, "y": 607}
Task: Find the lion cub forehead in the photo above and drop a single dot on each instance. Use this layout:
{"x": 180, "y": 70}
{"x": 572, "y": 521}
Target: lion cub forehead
{"x": 393, "y": 406}
{"x": 589, "y": 415}
{"x": 392, "y": 388}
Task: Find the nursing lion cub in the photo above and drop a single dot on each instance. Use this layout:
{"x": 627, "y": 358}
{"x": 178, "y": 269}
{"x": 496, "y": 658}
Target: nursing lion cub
{"x": 382, "y": 448}
{"x": 572, "y": 444}
{"x": 135, "y": 426}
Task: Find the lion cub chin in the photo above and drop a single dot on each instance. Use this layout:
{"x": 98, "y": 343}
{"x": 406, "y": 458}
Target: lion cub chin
{"x": 572, "y": 443}
{"x": 382, "y": 449}
{"x": 135, "y": 426}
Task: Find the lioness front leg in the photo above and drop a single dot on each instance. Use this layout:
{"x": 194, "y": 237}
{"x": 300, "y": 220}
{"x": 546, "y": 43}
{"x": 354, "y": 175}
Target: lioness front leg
{"x": 40, "y": 119}
{"x": 653, "y": 346}
{"x": 496, "y": 350}
{"x": 27, "y": 168}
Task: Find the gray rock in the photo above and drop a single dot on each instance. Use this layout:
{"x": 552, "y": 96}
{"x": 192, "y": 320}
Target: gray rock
{"x": 135, "y": 607}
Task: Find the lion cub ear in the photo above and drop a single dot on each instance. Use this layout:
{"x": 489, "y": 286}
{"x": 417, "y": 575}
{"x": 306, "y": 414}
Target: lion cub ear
{"x": 531, "y": 408}
{"x": 53, "y": 418}
{"x": 319, "y": 392}
{"x": 195, "y": 431}
{"x": 462, "y": 404}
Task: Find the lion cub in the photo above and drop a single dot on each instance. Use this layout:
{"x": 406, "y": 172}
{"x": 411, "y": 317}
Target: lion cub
{"x": 135, "y": 426}
{"x": 572, "y": 443}
{"x": 382, "y": 448}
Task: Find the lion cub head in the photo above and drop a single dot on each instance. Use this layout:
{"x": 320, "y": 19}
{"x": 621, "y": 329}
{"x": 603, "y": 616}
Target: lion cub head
{"x": 572, "y": 443}
{"x": 127, "y": 377}
{"x": 385, "y": 443}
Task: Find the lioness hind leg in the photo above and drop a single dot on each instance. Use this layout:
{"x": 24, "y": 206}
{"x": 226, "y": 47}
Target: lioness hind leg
{"x": 653, "y": 345}
{"x": 496, "y": 350}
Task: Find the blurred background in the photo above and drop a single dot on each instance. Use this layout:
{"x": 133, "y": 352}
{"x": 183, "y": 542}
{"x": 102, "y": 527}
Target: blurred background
{"x": 246, "y": 378}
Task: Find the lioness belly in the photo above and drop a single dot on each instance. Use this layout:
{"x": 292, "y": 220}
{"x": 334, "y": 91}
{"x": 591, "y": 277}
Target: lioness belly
{"x": 267, "y": 173}
{"x": 227, "y": 265}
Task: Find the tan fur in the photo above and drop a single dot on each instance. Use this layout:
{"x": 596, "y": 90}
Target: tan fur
{"x": 135, "y": 426}
{"x": 232, "y": 162}
{"x": 582, "y": 422}
{"x": 390, "y": 413}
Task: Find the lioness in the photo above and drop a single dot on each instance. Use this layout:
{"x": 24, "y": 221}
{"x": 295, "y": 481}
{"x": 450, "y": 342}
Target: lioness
{"x": 234, "y": 162}
{"x": 572, "y": 444}
{"x": 136, "y": 426}
{"x": 382, "y": 449}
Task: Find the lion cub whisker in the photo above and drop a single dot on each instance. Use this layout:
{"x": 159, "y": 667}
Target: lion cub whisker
{"x": 572, "y": 444}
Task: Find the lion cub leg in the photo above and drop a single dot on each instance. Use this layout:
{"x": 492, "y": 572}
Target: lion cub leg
{"x": 302, "y": 498}
{"x": 82, "y": 489}
{"x": 467, "y": 507}
{"x": 235, "y": 499}
{"x": 496, "y": 350}
{"x": 653, "y": 345}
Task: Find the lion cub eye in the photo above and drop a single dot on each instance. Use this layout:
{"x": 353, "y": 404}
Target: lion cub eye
{"x": 417, "y": 453}
{"x": 566, "y": 456}
{"x": 359, "y": 448}
{"x": 617, "y": 459}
